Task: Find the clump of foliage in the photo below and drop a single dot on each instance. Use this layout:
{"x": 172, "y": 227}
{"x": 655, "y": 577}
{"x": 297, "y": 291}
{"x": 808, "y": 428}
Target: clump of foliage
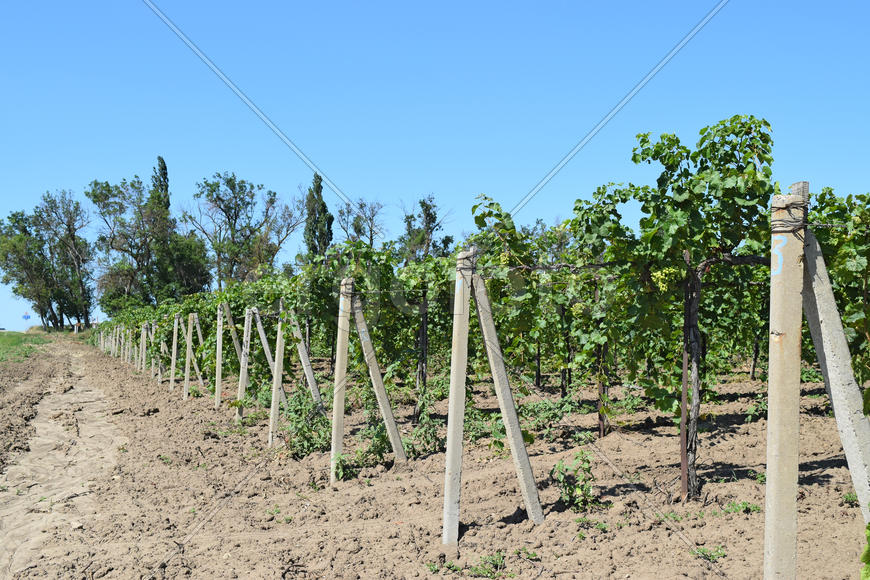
{"x": 575, "y": 482}
{"x": 308, "y": 428}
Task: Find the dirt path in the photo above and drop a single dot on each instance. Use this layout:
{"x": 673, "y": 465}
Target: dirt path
{"x": 73, "y": 445}
{"x": 140, "y": 484}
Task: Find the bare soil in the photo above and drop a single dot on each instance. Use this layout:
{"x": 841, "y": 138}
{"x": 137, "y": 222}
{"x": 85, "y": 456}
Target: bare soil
{"x": 108, "y": 474}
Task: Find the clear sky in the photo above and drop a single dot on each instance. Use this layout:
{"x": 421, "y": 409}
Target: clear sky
{"x": 398, "y": 100}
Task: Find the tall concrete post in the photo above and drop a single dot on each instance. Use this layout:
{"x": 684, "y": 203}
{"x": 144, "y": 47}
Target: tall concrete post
{"x": 174, "y": 358}
{"x": 219, "y": 358}
{"x": 465, "y": 263}
{"x": 188, "y": 356}
{"x": 277, "y": 387}
{"x": 338, "y": 394}
{"x": 243, "y": 366}
{"x": 788, "y": 220}
{"x": 832, "y": 352}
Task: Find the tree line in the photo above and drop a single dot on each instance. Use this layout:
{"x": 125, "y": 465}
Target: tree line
{"x": 144, "y": 255}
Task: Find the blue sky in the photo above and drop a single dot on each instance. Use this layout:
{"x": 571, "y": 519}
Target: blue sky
{"x": 395, "y": 101}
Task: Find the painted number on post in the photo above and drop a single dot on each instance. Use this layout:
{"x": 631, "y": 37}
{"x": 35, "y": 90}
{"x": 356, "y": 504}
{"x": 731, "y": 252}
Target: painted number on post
{"x": 779, "y": 242}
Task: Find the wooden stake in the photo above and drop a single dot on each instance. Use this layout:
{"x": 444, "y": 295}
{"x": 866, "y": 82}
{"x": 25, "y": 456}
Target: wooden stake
{"x": 203, "y": 376}
{"x": 219, "y": 353}
{"x": 143, "y": 346}
{"x": 456, "y": 403}
{"x": 174, "y": 352}
{"x": 338, "y": 395}
{"x": 786, "y": 281}
{"x": 377, "y": 381}
{"x": 188, "y": 358}
{"x": 243, "y": 362}
{"x": 277, "y": 387}
{"x": 506, "y": 403}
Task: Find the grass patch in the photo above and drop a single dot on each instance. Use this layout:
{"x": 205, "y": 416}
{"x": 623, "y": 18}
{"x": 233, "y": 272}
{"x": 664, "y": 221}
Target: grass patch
{"x": 17, "y": 346}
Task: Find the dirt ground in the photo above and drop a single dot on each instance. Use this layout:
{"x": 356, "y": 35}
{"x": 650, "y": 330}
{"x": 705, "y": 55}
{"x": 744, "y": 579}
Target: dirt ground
{"x": 105, "y": 473}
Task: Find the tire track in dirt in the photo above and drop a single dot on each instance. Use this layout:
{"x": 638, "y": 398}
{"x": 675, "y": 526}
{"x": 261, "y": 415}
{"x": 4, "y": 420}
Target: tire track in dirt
{"x": 47, "y": 487}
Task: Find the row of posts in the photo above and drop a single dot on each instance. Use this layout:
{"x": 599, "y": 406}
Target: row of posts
{"x": 789, "y": 290}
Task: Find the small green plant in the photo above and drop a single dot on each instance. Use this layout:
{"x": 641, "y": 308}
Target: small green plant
{"x": 489, "y": 567}
{"x": 288, "y": 519}
{"x": 452, "y": 567}
{"x": 708, "y": 554}
{"x": 274, "y": 511}
{"x": 672, "y": 516}
{"x": 122, "y": 448}
{"x": 433, "y": 567}
{"x": 850, "y": 499}
{"x": 865, "y": 556}
{"x": 759, "y": 476}
{"x": 4, "y": 488}
{"x": 757, "y": 409}
{"x": 604, "y": 527}
{"x": 811, "y": 375}
{"x": 743, "y": 507}
{"x": 165, "y": 459}
{"x": 575, "y": 482}
{"x": 344, "y": 468}
{"x": 193, "y": 511}
{"x": 527, "y": 554}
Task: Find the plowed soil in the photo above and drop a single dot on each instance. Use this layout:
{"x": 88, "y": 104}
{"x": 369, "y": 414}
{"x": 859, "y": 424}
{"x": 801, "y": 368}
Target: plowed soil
{"x": 108, "y": 474}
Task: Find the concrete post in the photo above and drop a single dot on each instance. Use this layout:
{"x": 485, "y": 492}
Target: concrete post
{"x": 377, "y": 381}
{"x": 306, "y": 362}
{"x": 456, "y": 403}
{"x": 786, "y": 281}
{"x": 277, "y": 387}
{"x": 233, "y": 332}
{"x": 267, "y": 350}
{"x": 338, "y": 394}
{"x": 219, "y": 355}
{"x": 832, "y": 351}
{"x": 143, "y": 347}
{"x": 174, "y": 357}
{"x": 243, "y": 368}
{"x": 506, "y": 403}
{"x": 188, "y": 357}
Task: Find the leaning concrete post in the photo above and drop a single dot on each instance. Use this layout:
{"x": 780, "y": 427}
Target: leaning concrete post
{"x": 201, "y": 375}
{"x": 338, "y": 395}
{"x": 243, "y": 362}
{"x": 174, "y": 356}
{"x": 832, "y": 351}
{"x": 233, "y": 332}
{"x": 188, "y": 357}
{"x": 377, "y": 381}
{"x": 788, "y": 219}
{"x": 306, "y": 362}
{"x": 456, "y": 403}
{"x": 277, "y": 372}
{"x": 219, "y": 355}
{"x": 267, "y": 350}
{"x": 506, "y": 403}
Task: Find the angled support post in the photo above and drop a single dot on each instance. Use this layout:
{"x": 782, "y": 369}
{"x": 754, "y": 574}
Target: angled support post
{"x": 267, "y": 350}
{"x": 514, "y": 433}
{"x": 832, "y": 350}
{"x": 377, "y": 380}
{"x": 233, "y": 332}
{"x": 306, "y": 362}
